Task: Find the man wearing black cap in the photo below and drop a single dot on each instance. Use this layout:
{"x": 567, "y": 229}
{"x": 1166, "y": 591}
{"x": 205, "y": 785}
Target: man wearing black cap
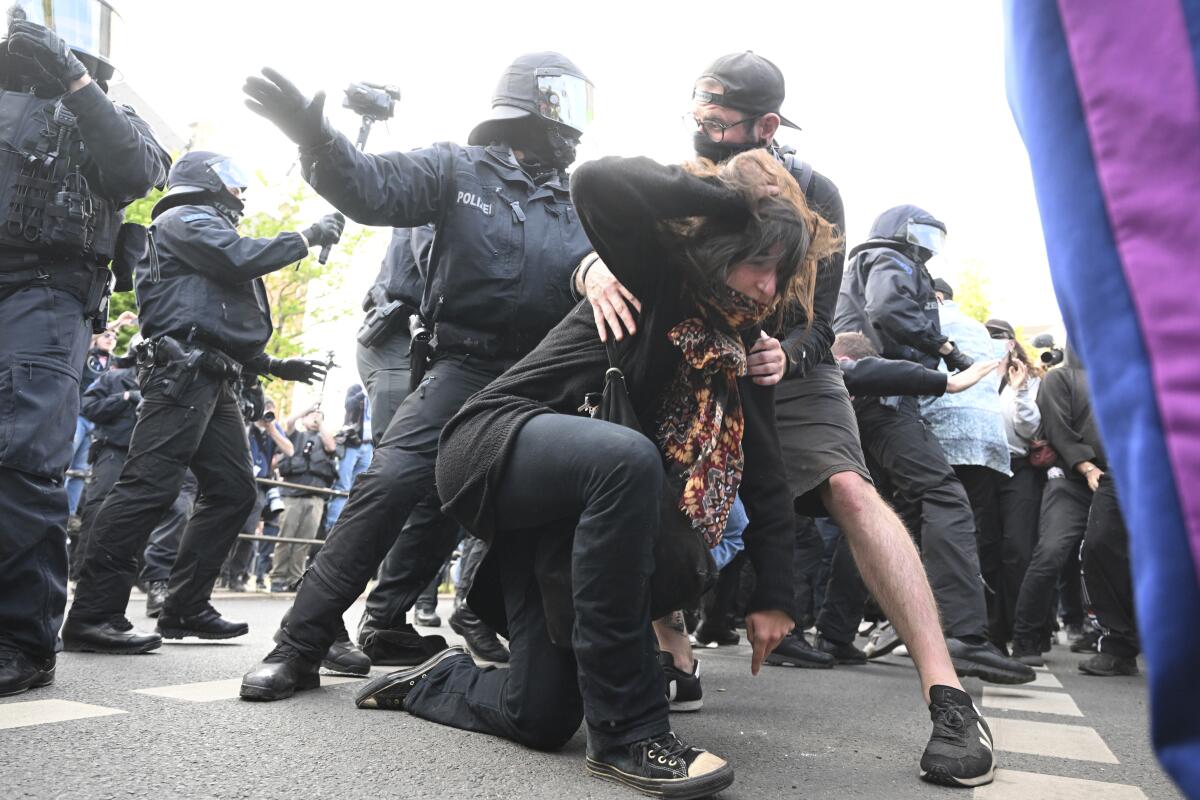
{"x": 506, "y": 239}
{"x": 736, "y": 107}
{"x": 204, "y": 314}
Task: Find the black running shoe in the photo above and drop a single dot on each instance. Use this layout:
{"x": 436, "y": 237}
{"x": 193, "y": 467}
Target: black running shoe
{"x": 982, "y": 660}
{"x": 662, "y": 766}
{"x": 682, "y": 688}
{"x": 1028, "y": 652}
{"x": 1106, "y": 665}
{"x": 795, "y": 651}
{"x": 389, "y": 691}
{"x": 1087, "y": 642}
{"x": 718, "y": 631}
{"x": 959, "y": 752}
{"x": 884, "y": 640}
{"x": 842, "y": 652}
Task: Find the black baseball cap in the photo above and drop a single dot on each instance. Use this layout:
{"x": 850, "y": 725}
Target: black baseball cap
{"x": 940, "y": 285}
{"x": 751, "y": 83}
{"x": 1001, "y": 327}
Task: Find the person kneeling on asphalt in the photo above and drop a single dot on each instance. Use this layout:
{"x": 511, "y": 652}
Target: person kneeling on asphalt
{"x": 203, "y": 311}
{"x": 709, "y": 252}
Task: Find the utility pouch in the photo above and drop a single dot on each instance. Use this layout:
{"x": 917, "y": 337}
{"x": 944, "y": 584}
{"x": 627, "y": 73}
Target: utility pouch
{"x": 130, "y": 249}
{"x": 95, "y": 306}
{"x": 380, "y": 321}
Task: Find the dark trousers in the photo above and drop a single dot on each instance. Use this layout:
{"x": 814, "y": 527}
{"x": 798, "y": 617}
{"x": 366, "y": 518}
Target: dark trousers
{"x": 473, "y": 552}
{"x": 400, "y": 477}
{"x": 982, "y": 485}
{"x": 45, "y": 338}
{"x": 237, "y": 566}
{"x": 162, "y": 549}
{"x": 107, "y": 463}
{"x": 606, "y": 488}
{"x": 384, "y": 369}
{"x": 1106, "y": 573}
{"x": 808, "y": 552}
{"x": 1020, "y": 500}
{"x": 1061, "y": 525}
{"x": 202, "y": 428}
{"x": 845, "y": 594}
{"x": 904, "y": 455}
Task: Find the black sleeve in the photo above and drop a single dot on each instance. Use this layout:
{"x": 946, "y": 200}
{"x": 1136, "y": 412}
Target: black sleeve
{"x": 212, "y": 246}
{"x": 104, "y": 400}
{"x": 128, "y": 159}
{"x": 1055, "y": 401}
{"x": 620, "y": 202}
{"x": 808, "y": 345}
{"x": 893, "y": 306}
{"x": 400, "y": 190}
{"x": 765, "y": 493}
{"x": 886, "y": 377}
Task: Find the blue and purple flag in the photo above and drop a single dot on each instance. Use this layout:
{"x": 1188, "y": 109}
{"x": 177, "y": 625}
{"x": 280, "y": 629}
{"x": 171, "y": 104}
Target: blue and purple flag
{"x": 1106, "y": 94}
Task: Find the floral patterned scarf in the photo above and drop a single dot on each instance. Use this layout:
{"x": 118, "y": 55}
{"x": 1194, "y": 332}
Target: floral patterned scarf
{"x": 700, "y": 421}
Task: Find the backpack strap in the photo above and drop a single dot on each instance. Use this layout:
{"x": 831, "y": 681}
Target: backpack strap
{"x": 802, "y": 171}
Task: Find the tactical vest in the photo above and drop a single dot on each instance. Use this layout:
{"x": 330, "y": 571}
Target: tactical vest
{"x": 309, "y": 459}
{"x": 48, "y": 201}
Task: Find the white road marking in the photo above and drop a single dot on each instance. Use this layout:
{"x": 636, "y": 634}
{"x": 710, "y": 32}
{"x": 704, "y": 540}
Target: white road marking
{"x": 1013, "y": 699}
{"x": 1044, "y": 680}
{"x": 1010, "y": 785}
{"x": 208, "y": 691}
{"x": 42, "y": 712}
{"x": 1052, "y": 739}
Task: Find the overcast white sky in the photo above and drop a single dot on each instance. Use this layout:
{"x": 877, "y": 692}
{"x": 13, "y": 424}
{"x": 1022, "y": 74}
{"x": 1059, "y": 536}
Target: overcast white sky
{"x": 899, "y": 102}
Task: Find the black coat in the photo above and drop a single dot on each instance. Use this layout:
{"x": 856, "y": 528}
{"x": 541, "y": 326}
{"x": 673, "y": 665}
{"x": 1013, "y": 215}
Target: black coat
{"x": 885, "y": 377}
{"x": 887, "y": 294}
{"x": 199, "y": 272}
{"x": 1067, "y": 420}
{"x": 104, "y": 403}
{"x": 505, "y": 247}
{"x": 403, "y": 270}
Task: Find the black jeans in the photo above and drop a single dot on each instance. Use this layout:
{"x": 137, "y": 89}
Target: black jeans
{"x": 162, "y": 549}
{"x": 1061, "y": 525}
{"x": 1020, "y": 499}
{"x": 202, "y": 428}
{"x": 845, "y": 595}
{"x": 238, "y": 564}
{"x": 45, "y": 338}
{"x": 399, "y": 479}
{"x": 1106, "y": 573}
{"x": 904, "y": 455}
{"x": 606, "y": 488}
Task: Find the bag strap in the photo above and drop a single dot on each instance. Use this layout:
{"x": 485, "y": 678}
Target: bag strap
{"x": 802, "y": 171}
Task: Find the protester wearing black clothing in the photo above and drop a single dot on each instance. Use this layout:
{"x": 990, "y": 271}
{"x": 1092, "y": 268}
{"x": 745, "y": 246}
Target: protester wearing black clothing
{"x": 203, "y": 310}
{"x": 1080, "y": 506}
{"x": 507, "y": 238}
{"x": 72, "y": 160}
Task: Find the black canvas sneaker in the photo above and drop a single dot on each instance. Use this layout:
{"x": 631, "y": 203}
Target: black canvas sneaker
{"x": 662, "y": 766}
{"x": 682, "y": 688}
{"x": 388, "y": 691}
{"x": 959, "y": 752}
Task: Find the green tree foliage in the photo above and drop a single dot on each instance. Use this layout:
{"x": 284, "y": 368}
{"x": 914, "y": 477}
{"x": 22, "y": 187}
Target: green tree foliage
{"x": 971, "y": 287}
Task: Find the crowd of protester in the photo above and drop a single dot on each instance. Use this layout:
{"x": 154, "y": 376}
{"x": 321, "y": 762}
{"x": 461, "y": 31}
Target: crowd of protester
{"x": 843, "y": 451}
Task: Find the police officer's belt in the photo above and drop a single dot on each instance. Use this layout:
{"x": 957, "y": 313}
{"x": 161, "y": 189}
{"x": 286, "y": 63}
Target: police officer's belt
{"x": 450, "y": 337}
{"x": 164, "y": 351}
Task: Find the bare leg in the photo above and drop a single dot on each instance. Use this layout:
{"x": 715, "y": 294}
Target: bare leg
{"x": 671, "y": 631}
{"x": 892, "y": 570}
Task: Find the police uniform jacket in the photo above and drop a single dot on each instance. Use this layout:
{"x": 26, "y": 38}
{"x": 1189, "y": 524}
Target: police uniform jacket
{"x": 888, "y": 296}
{"x": 505, "y": 246}
{"x": 104, "y": 403}
{"x": 198, "y": 273}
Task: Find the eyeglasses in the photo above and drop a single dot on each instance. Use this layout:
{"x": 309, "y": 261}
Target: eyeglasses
{"x": 714, "y": 128}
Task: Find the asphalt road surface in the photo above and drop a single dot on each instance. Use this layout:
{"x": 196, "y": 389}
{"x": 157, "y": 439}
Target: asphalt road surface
{"x": 169, "y": 724}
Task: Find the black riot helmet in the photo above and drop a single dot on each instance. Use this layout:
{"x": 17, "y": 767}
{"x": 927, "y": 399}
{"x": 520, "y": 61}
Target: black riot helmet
{"x": 546, "y": 89}
{"x": 87, "y": 26}
{"x": 208, "y": 178}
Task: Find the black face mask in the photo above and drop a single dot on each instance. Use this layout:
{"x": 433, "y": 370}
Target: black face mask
{"x": 719, "y": 151}
{"x": 544, "y": 149}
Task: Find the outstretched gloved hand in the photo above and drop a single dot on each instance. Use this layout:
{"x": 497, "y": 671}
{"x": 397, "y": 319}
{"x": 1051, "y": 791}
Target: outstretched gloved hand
{"x": 327, "y": 230}
{"x": 46, "y": 52}
{"x": 302, "y": 120}
{"x": 956, "y": 360}
{"x": 304, "y": 370}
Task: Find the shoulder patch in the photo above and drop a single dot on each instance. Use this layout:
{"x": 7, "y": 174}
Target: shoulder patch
{"x": 195, "y": 215}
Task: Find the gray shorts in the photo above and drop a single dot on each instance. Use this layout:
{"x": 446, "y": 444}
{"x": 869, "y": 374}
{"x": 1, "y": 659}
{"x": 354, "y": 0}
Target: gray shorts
{"x": 818, "y": 434}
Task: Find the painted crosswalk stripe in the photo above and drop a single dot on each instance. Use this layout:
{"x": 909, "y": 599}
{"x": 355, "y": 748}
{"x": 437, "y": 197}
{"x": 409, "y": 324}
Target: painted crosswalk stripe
{"x": 1011, "y": 785}
{"x": 1050, "y": 739}
{"x": 1045, "y": 680}
{"x": 1012, "y": 699}
{"x": 208, "y": 691}
{"x": 41, "y": 712}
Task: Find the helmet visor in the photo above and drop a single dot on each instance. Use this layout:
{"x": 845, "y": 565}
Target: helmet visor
{"x": 931, "y": 237}
{"x": 230, "y": 173}
{"x": 86, "y": 25}
{"x": 564, "y": 98}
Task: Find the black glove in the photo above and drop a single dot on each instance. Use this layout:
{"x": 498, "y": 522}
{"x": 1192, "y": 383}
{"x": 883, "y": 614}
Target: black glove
{"x": 956, "y": 360}
{"x": 276, "y": 98}
{"x": 326, "y": 230}
{"x": 45, "y": 52}
{"x": 304, "y": 370}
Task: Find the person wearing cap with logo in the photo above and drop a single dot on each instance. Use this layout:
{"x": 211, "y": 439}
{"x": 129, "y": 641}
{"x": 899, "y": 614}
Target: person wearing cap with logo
{"x": 507, "y": 237}
{"x": 204, "y": 314}
{"x": 736, "y": 107}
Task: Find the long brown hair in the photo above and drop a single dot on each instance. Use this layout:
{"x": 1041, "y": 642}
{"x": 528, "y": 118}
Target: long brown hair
{"x": 710, "y": 246}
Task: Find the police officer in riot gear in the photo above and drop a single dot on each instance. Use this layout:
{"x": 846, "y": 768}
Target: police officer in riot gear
{"x": 71, "y": 161}
{"x": 507, "y": 238}
{"x": 203, "y": 311}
